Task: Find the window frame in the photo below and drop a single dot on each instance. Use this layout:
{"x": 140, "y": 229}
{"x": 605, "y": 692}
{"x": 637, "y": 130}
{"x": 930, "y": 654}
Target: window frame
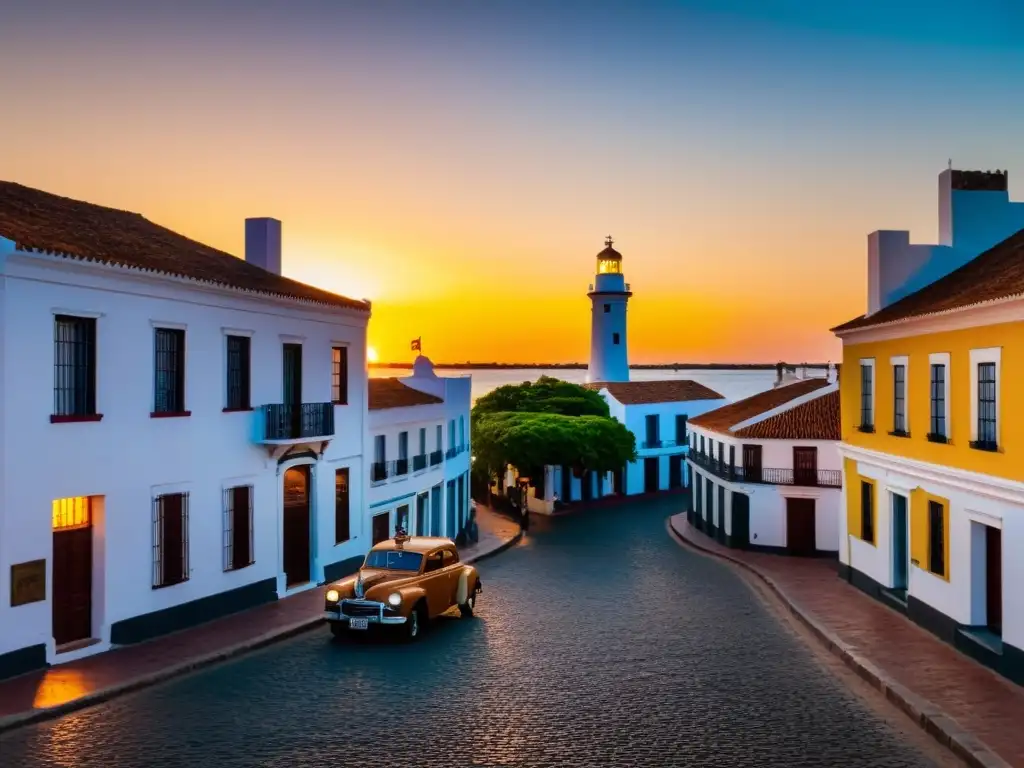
{"x": 178, "y": 373}
{"x": 867, "y": 491}
{"x": 616, "y": 339}
{"x": 681, "y": 439}
{"x": 901, "y": 364}
{"x": 160, "y": 578}
{"x": 232, "y": 561}
{"x": 243, "y": 391}
{"x": 933, "y": 507}
{"x": 939, "y": 359}
{"x": 86, "y": 410}
{"x": 979, "y": 357}
{"x": 872, "y": 397}
{"x": 339, "y": 374}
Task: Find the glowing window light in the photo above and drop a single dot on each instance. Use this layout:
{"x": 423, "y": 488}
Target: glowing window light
{"x": 72, "y": 513}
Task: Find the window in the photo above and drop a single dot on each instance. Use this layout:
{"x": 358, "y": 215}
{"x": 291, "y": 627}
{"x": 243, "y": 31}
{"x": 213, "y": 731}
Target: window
{"x": 238, "y": 548}
{"x": 867, "y": 415}
{"x": 448, "y": 558}
{"x": 72, "y": 513}
{"x": 681, "y": 429}
{"x": 651, "y": 427}
{"x": 615, "y": 338}
{"x": 462, "y": 431}
{"x": 607, "y": 308}
{"x": 899, "y": 405}
{"x": 402, "y": 518}
{"x": 74, "y": 367}
{"x": 937, "y": 432}
{"x": 342, "y": 532}
{"x": 986, "y": 439}
{"x": 440, "y": 437}
{"x": 867, "y": 512}
{"x": 380, "y": 447}
{"x": 339, "y": 375}
{"x": 402, "y": 465}
{"x": 170, "y": 539}
{"x": 170, "y": 372}
{"x": 433, "y": 562}
{"x": 936, "y": 538}
{"x": 423, "y": 440}
{"x": 379, "y": 470}
{"x": 238, "y": 373}
{"x": 451, "y": 436}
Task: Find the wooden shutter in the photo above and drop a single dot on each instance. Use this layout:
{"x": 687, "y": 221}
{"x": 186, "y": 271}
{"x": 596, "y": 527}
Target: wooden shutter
{"x": 919, "y": 528}
{"x": 241, "y": 526}
{"x": 172, "y": 539}
{"x": 852, "y": 480}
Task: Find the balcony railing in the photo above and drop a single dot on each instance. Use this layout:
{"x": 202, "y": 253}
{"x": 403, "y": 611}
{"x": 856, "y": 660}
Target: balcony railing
{"x": 655, "y": 444}
{"x": 399, "y": 467}
{"x": 305, "y": 421}
{"x": 822, "y": 478}
{"x": 451, "y": 453}
{"x": 378, "y": 472}
{"x": 419, "y": 463}
{"x": 436, "y": 457}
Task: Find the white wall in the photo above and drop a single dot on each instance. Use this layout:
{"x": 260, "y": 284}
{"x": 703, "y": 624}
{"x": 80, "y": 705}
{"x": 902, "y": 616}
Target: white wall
{"x": 129, "y": 457}
{"x": 970, "y": 222}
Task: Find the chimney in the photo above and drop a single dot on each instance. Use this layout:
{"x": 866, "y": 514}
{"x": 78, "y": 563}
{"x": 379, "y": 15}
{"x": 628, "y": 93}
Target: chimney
{"x": 778, "y": 374}
{"x": 832, "y": 374}
{"x": 263, "y": 244}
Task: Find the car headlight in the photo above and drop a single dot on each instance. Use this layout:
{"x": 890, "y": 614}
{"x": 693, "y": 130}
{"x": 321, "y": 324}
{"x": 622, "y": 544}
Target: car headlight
{"x": 394, "y": 599}
{"x": 332, "y": 595}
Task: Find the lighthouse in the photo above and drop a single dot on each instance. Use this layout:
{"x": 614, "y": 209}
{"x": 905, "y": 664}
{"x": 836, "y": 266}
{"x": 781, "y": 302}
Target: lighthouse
{"x": 609, "y": 295}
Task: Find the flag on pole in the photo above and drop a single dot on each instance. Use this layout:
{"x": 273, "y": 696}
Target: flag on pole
{"x": 416, "y": 344}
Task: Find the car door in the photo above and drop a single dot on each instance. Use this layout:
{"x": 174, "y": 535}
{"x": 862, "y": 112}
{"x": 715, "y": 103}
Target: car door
{"x": 435, "y": 583}
{"x": 450, "y": 566}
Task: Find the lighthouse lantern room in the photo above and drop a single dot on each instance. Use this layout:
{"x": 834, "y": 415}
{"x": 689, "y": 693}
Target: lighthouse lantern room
{"x": 609, "y": 295}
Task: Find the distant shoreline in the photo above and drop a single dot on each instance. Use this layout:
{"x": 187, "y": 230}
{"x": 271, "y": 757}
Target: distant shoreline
{"x": 583, "y": 366}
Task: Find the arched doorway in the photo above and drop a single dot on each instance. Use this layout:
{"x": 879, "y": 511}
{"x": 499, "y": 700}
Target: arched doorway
{"x": 296, "y": 534}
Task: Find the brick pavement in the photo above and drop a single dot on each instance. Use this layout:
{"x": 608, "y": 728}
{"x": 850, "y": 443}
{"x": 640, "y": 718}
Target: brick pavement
{"x": 984, "y": 704}
{"x": 65, "y": 687}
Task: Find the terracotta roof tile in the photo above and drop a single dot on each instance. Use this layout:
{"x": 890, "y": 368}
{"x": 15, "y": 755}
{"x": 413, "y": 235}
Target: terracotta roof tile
{"x": 998, "y": 273}
{"x": 817, "y": 419}
{"x": 392, "y": 393}
{"x": 650, "y": 392}
{"x": 40, "y": 221}
{"x": 724, "y": 418}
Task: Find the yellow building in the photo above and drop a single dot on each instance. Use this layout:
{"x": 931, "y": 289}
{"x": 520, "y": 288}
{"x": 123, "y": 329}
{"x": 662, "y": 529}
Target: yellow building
{"x": 933, "y": 450}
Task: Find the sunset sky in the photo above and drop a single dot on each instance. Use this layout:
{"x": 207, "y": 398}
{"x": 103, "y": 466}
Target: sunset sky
{"x": 460, "y": 163}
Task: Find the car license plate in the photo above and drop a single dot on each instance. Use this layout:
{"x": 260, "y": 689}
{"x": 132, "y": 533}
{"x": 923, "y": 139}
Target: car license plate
{"x": 358, "y": 623}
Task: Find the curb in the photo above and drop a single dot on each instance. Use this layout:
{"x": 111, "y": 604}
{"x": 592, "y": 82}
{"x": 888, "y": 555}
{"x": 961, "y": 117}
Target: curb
{"x": 927, "y": 715}
{"x": 12, "y": 722}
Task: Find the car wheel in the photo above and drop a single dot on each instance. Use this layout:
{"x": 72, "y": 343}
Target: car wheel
{"x": 466, "y": 608}
{"x": 414, "y": 624}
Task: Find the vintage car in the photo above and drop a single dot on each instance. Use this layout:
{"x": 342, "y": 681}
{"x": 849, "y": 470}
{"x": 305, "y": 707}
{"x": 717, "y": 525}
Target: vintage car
{"x": 404, "y": 582}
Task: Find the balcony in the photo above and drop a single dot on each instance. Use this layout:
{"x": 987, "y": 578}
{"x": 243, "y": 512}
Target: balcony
{"x": 419, "y": 463}
{"x": 378, "y": 472}
{"x": 653, "y": 445}
{"x": 451, "y": 453}
{"x": 436, "y": 457}
{"x": 280, "y": 425}
{"x": 815, "y": 478}
{"x": 400, "y": 467}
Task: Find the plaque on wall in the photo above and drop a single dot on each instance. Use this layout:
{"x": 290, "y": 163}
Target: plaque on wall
{"x": 28, "y": 582}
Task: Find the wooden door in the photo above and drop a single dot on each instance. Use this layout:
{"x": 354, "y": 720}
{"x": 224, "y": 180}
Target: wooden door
{"x": 709, "y": 506}
{"x": 900, "y": 544}
{"x": 805, "y": 466}
{"x": 72, "y": 584}
{"x": 381, "y": 527}
{"x": 651, "y": 477}
{"x": 800, "y": 538}
{"x": 752, "y": 463}
{"x": 292, "y": 386}
{"x": 721, "y": 514}
{"x": 994, "y": 578}
{"x": 675, "y": 471}
{"x": 740, "y": 536}
{"x": 296, "y": 531}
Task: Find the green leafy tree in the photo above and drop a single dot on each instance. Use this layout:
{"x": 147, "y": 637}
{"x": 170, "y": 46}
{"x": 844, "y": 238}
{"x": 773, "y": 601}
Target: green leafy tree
{"x": 547, "y": 422}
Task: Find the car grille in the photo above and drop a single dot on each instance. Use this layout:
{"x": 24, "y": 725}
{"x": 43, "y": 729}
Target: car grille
{"x": 360, "y": 608}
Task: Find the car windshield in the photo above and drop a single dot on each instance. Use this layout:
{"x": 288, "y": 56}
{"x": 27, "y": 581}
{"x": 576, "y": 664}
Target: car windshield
{"x": 393, "y": 560}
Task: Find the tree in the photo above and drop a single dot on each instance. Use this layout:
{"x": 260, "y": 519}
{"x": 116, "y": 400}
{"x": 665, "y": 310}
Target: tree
{"x": 547, "y": 422}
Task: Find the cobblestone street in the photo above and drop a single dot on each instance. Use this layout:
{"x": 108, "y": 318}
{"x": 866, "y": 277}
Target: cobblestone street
{"x": 599, "y": 641}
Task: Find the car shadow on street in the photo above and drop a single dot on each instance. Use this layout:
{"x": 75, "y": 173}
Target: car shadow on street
{"x": 439, "y": 627}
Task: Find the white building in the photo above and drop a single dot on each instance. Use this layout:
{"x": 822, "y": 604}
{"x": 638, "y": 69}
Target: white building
{"x": 766, "y": 470}
{"x": 183, "y": 431}
{"x": 418, "y": 442}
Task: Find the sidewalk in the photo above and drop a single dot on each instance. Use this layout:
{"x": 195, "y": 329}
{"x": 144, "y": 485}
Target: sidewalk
{"x": 967, "y": 707}
{"x": 64, "y": 688}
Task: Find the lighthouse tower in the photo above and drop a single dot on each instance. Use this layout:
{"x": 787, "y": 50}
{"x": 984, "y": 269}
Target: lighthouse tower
{"x": 609, "y": 359}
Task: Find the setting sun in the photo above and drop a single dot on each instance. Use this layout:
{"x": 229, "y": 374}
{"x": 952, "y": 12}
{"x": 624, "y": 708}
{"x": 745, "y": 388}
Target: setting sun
{"x": 371, "y": 355}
